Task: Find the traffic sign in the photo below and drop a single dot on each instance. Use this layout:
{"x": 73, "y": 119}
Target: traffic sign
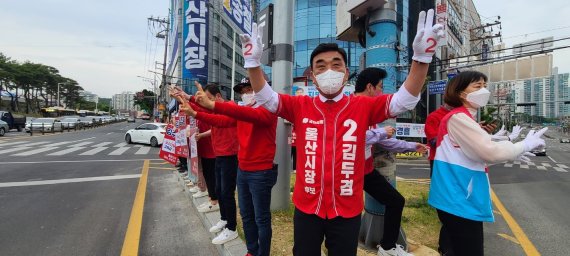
{"x": 437, "y": 87}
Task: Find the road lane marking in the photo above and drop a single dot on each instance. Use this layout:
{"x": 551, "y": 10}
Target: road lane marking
{"x": 143, "y": 151}
{"x": 63, "y": 181}
{"x": 36, "y": 151}
{"x": 120, "y": 145}
{"x": 118, "y": 152}
{"x": 546, "y": 164}
{"x": 12, "y": 143}
{"x": 163, "y": 168}
{"x": 37, "y": 143}
{"x": 510, "y": 238}
{"x": 562, "y": 166}
{"x": 551, "y": 159}
{"x": 133, "y": 234}
{"x": 541, "y": 167}
{"x": 521, "y": 237}
{"x": 10, "y": 150}
{"x": 77, "y": 161}
{"x": 102, "y": 144}
{"x": 93, "y": 151}
{"x": 81, "y": 144}
{"x": 66, "y": 151}
{"x": 559, "y": 169}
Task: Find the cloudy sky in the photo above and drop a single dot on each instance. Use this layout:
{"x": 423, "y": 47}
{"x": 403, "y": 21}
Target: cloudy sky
{"x": 106, "y": 44}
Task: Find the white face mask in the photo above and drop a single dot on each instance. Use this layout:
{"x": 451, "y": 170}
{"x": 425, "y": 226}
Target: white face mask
{"x": 248, "y": 98}
{"x": 479, "y": 98}
{"x": 330, "y": 81}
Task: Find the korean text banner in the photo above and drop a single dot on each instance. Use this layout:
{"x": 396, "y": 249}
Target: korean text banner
{"x": 312, "y": 91}
{"x": 240, "y": 13}
{"x": 410, "y": 130}
{"x": 195, "y": 33}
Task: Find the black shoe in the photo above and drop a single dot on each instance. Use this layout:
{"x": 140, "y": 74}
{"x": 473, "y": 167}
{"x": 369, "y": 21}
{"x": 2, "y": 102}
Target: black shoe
{"x": 182, "y": 169}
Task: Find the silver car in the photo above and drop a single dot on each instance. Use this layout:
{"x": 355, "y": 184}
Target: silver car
{"x": 71, "y": 123}
{"x": 3, "y": 128}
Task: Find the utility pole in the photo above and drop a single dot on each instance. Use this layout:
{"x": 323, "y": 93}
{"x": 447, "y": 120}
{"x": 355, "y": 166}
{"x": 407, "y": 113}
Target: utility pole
{"x": 282, "y": 72}
{"x": 165, "y": 23}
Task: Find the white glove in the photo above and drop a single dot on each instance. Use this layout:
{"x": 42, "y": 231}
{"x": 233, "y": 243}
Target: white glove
{"x": 524, "y": 157}
{"x": 427, "y": 37}
{"x": 516, "y": 132}
{"x": 252, "y": 47}
{"x": 501, "y": 132}
{"x": 533, "y": 139}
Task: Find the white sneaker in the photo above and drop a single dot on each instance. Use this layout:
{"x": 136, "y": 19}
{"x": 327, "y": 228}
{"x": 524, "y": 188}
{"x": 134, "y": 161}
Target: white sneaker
{"x": 396, "y": 251}
{"x": 209, "y": 207}
{"x": 194, "y": 190}
{"x": 219, "y": 226}
{"x": 226, "y": 236}
{"x": 200, "y": 194}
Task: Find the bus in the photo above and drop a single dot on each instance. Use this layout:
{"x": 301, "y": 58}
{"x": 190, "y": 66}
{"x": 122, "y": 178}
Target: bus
{"x": 84, "y": 113}
{"x": 57, "y": 112}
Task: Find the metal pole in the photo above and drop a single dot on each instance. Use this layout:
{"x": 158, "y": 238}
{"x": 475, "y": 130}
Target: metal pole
{"x": 58, "y": 94}
{"x": 232, "y": 95}
{"x": 282, "y": 73}
{"x": 381, "y": 52}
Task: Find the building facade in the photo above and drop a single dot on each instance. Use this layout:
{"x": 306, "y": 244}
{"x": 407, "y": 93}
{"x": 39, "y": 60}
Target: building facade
{"x": 124, "y": 102}
{"x": 88, "y": 96}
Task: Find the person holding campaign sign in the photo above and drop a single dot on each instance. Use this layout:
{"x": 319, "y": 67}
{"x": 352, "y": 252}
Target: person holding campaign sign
{"x": 331, "y": 131}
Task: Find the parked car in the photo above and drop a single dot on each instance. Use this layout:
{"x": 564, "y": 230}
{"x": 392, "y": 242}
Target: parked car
{"x": 87, "y": 121}
{"x": 71, "y": 123}
{"x": 131, "y": 119}
{"x": 564, "y": 140}
{"x": 145, "y": 117}
{"x": 3, "y": 128}
{"x": 46, "y": 125}
{"x": 149, "y": 133}
{"x": 540, "y": 151}
{"x": 97, "y": 120}
{"x": 13, "y": 122}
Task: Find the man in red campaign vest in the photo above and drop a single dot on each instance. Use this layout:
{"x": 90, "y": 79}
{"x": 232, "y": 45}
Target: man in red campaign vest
{"x": 331, "y": 131}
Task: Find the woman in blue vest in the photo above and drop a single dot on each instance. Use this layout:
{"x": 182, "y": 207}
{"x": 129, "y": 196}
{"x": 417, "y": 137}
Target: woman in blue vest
{"x": 460, "y": 188}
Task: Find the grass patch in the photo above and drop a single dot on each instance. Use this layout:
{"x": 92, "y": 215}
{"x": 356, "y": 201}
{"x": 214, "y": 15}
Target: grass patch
{"x": 419, "y": 221}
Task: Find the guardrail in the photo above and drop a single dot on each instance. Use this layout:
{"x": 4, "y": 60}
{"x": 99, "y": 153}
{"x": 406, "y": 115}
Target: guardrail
{"x": 60, "y": 127}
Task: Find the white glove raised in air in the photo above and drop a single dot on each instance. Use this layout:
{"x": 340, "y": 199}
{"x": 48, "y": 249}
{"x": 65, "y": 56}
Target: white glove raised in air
{"x": 252, "y": 47}
{"x": 533, "y": 139}
{"x": 516, "y": 132}
{"x": 524, "y": 157}
{"x": 501, "y": 132}
{"x": 427, "y": 36}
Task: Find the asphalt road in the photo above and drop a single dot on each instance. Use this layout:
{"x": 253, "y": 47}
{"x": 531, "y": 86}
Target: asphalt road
{"x": 73, "y": 194}
{"x": 536, "y": 196}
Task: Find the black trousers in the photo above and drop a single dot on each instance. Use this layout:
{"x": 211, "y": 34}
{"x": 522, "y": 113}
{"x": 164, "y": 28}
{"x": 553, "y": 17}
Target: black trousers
{"x": 294, "y": 157}
{"x": 226, "y": 175}
{"x": 380, "y": 189}
{"x": 466, "y": 236}
{"x": 309, "y": 231}
{"x": 209, "y": 171}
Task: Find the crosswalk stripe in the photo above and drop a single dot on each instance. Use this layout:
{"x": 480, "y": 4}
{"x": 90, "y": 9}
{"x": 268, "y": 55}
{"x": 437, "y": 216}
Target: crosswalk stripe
{"x": 37, "y": 143}
{"x": 508, "y": 165}
{"x": 93, "y": 151}
{"x": 10, "y": 150}
{"x": 12, "y": 143}
{"x": 33, "y": 152}
{"x": 541, "y": 167}
{"x": 562, "y": 166}
{"x": 118, "y": 151}
{"x": 560, "y": 169}
{"x": 546, "y": 164}
{"x": 81, "y": 144}
{"x": 120, "y": 145}
{"x": 61, "y": 143}
{"x": 66, "y": 151}
{"x": 143, "y": 151}
{"x": 524, "y": 166}
{"x": 102, "y": 144}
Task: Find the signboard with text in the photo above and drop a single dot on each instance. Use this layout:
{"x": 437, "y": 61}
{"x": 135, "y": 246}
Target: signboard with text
{"x": 239, "y": 12}
{"x": 195, "y": 46}
{"x": 437, "y": 87}
{"x": 167, "y": 151}
{"x": 410, "y": 130}
{"x": 181, "y": 138}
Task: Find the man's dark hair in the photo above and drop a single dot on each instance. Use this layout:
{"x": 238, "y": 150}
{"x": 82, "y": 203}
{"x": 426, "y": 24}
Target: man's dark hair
{"x": 456, "y": 85}
{"x": 369, "y": 76}
{"x": 328, "y": 47}
{"x": 213, "y": 89}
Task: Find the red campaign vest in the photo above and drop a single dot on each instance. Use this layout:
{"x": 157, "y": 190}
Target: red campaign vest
{"x": 330, "y": 151}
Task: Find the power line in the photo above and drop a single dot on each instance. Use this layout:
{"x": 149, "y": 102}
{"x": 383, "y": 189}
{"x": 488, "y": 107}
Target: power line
{"x": 537, "y": 32}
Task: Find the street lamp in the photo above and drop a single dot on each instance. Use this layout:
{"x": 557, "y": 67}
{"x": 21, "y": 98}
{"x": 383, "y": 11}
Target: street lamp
{"x": 58, "y": 93}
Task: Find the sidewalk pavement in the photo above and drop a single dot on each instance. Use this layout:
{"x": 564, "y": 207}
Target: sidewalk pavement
{"x": 235, "y": 247}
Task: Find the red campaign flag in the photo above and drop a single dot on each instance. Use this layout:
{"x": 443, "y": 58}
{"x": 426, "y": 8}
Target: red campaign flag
{"x": 167, "y": 151}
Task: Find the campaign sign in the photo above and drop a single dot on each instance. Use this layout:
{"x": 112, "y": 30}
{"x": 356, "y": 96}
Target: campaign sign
{"x": 239, "y": 12}
{"x": 167, "y": 151}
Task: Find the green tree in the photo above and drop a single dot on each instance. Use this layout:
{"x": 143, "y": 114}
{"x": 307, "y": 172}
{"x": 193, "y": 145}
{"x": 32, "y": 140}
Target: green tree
{"x": 145, "y": 99}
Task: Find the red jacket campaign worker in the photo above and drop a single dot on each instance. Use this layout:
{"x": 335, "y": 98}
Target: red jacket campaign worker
{"x": 226, "y": 148}
{"x": 257, "y": 174}
{"x": 431, "y": 129}
{"x": 331, "y": 131}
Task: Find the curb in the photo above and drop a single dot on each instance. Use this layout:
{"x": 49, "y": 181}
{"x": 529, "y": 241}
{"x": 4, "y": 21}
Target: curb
{"x": 235, "y": 247}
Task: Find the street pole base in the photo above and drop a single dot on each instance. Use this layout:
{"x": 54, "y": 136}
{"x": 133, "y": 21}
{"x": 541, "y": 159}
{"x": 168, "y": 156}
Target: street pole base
{"x": 372, "y": 231}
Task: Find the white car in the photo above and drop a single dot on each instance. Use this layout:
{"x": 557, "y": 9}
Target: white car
{"x": 149, "y": 133}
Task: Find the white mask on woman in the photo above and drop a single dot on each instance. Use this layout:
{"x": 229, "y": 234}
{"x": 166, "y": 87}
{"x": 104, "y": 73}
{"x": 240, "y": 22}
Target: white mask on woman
{"x": 479, "y": 98}
{"x": 330, "y": 81}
